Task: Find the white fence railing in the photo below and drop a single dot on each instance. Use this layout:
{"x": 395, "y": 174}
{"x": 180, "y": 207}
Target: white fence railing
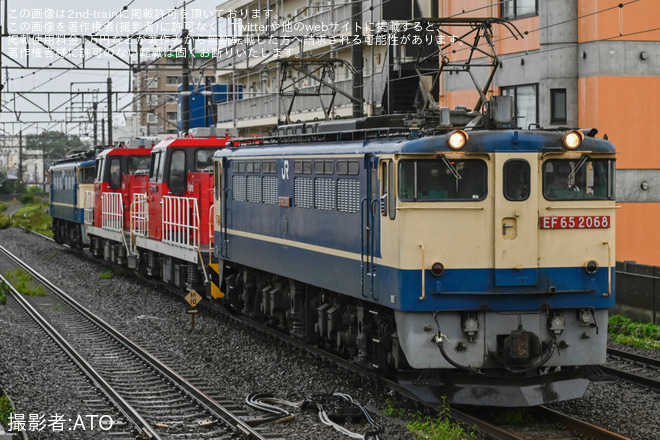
{"x": 89, "y": 207}
{"x": 112, "y": 216}
{"x": 139, "y": 215}
{"x": 181, "y": 221}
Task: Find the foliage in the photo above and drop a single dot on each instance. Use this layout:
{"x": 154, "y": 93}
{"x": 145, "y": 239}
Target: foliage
{"x": 106, "y": 275}
{"x": 5, "y": 410}
{"x": 27, "y": 198}
{"x": 637, "y": 334}
{"x": 35, "y": 217}
{"x": 54, "y": 143}
{"x": 441, "y": 427}
{"x": 24, "y": 283}
{"x": 4, "y": 289}
{"x": 391, "y": 411}
{"x": 35, "y": 190}
{"x": 5, "y": 222}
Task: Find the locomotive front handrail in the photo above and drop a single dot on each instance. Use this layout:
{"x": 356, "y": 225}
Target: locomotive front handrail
{"x": 583, "y": 206}
{"x": 609, "y": 269}
{"x": 89, "y": 207}
{"x": 421, "y": 298}
{"x": 463, "y": 208}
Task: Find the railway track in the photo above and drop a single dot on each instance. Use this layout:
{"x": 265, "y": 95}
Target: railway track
{"x": 153, "y": 400}
{"x": 633, "y": 368}
{"x": 547, "y": 424}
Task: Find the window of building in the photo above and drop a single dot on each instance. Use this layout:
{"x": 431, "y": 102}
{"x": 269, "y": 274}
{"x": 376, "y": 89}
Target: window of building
{"x": 526, "y": 103}
{"x": 173, "y": 80}
{"x": 513, "y": 9}
{"x": 557, "y": 106}
{"x": 171, "y": 116}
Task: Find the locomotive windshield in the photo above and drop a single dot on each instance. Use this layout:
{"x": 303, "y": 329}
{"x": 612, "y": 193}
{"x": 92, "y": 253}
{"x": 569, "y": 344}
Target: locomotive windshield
{"x": 138, "y": 164}
{"x": 442, "y": 180}
{"x": 578, "y": 179}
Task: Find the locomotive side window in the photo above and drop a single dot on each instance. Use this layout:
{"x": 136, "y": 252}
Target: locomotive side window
{"x": 156, "y": 168}
{"x": 115, "y": 173}
{"x": 99, "y": 169}
{"x": 177, "y": 173}
{"x": 516, "y": 180}
{"x": 578, "y": 179}
{"x": 86, "y": 175}
{"x": 442, "y": 180}
{"x": 387, "y": 199}
{"x": 204, "y": 159}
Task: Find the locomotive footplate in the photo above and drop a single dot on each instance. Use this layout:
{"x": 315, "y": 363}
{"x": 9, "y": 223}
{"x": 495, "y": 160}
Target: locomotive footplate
{"x": 437, "y": 387}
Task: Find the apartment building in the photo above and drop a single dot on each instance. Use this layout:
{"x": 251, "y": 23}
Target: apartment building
{"x": 293, "y": 61}
{"x": 157, "y": 86}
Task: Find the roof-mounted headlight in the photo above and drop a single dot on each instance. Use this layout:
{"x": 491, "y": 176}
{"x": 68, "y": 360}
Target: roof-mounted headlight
{"x": 573, "y": 139}
{"x": 457, "y": 139}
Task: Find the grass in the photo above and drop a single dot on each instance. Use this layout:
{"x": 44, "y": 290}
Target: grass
{"x": 106, "y": 275}
{"x": 440, "y": 427}
{"x": 5, "y": 410}
{"x": 637, "y": 334}
{"x": 24, "y": 283}
{"x": 3, "y": 293}
{"x": 35, "y": 217}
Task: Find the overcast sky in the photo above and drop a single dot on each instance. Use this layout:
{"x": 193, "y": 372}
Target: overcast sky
{"x": 159, "y": 20}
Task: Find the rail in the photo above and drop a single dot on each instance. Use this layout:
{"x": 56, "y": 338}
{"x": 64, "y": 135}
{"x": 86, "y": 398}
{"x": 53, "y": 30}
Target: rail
{"x": 144, "y": 428}
{"x": 242, "y": 427}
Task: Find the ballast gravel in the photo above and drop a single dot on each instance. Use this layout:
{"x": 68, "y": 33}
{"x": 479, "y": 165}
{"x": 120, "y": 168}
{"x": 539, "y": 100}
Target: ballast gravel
{"x": 234, "y": 361}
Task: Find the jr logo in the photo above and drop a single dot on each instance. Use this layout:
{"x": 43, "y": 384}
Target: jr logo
{"x": 285, "y": 170}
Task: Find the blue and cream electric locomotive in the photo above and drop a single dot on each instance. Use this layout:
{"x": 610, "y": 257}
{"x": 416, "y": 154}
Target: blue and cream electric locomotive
{"x": 69, "y": 180}
{"x": 477, "y": 264}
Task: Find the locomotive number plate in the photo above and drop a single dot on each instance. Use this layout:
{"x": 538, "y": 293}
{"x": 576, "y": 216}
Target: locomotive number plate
{"x": 575, "y": 222}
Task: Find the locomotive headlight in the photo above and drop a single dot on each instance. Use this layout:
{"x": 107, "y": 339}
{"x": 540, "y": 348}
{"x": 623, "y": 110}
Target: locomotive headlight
{"x": 591, "y": 267}
{"x": 573, "y": 139}
{"x": 556, "y": 324}
{"x": 457, "y": 139}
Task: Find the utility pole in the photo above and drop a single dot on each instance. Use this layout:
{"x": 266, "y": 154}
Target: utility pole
{"x": 95, "y": 121}
{"x": 356, "y": 59}
{"x": 20, "y": 162}
{"x": 185, "y": 85}
{"x": 109, "y": 111}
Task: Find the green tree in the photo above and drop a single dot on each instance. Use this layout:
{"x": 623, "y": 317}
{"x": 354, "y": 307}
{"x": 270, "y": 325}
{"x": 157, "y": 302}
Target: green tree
{"x": 55, "y": 144}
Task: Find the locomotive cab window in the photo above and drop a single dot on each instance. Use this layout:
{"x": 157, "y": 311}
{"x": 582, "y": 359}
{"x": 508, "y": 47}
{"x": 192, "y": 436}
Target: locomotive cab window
{"x": 442, "y": 179}
{"x": 138, "y": 164}
{"x": 115, "y": 173}
{"x": 156, "y": 167}
{"x": 86, "y": 174}
{"x": 516, "y": 180}
{"x": 204, "y": 159}
{"x": 578, "y": 179}
{"x": 99, "y": 169}
{"x": 177, "y": 172}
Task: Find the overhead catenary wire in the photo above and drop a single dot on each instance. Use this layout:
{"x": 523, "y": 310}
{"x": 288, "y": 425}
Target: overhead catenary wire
{"x": 619, "y": 34}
